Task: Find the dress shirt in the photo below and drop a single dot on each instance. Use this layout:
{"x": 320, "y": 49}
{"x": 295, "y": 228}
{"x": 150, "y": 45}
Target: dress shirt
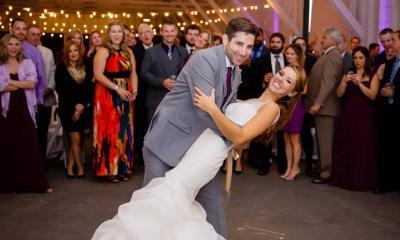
{"x": 34, "y": 54}
{"x": 280, "y": 59}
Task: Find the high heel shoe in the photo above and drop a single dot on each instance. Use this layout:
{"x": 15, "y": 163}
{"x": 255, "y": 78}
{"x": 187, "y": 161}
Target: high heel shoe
{"x": 293, "y": 177}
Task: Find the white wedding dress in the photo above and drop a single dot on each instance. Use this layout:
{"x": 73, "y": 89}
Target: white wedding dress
{"x": 166, "y": 208}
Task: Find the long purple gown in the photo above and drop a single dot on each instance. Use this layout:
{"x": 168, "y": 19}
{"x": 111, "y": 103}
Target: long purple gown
{"x": 22, "y": 168}
{"x": 354, "y": 160}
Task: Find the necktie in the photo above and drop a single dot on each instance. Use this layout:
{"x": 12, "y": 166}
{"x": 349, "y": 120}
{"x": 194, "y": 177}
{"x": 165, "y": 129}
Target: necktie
{"x": 191, "y": 51}
{"x": 170, "y": 53}
{"x": 396, "y": 67}
{"x": 228, "y": 84}
{"x": 277, "y": 64}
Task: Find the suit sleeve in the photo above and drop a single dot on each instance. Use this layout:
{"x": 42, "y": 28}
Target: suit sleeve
{"x": 146, "y": 71}
{"x": 201, "y": 73}
{"x": 52, "y": 68}
{"x": 329, "y": 79}
{"x": 59, "y": 80}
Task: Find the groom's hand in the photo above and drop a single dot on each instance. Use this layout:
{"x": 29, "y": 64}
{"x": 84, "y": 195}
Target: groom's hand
{"x": 169, "y": 84}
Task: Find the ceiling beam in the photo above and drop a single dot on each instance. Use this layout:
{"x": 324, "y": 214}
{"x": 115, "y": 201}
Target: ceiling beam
{"x": 285, "y": 18}
{"x": 246, "y": 13}
{"x": 216, "y": 7}
{"x": 204, "y": 15}
{"x": 349, "y": 17}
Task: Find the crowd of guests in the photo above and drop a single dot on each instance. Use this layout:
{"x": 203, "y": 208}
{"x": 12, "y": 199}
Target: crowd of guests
{"x": 113, "y": 89}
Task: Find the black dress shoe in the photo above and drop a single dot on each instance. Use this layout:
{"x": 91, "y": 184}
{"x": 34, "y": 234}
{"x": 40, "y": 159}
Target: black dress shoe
{"x": 320, "y": 180}
{"x": 262, "y": 172}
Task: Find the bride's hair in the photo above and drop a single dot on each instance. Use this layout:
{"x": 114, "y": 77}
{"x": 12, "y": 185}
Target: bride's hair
{"x": 287, "y": 104}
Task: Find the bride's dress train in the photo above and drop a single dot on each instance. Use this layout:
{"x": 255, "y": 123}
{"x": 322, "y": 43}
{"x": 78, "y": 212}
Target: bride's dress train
{"x": 166, "y": 208}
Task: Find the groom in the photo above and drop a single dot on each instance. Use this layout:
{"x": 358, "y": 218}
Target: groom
{"x": 177, "y": 123}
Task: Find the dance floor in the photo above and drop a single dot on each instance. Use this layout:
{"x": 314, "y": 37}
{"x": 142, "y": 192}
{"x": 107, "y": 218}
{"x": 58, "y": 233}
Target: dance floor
{"x": 258, "y": 208}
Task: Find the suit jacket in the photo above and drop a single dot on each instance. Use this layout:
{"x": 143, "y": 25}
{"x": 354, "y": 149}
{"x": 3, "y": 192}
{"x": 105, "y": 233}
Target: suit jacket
{"x": 323, "y": 80}
{"x": 156, "y": 67}
{"x": 347, "y": 62}
{"x": 139, "y": 52}
{"x": 396, "y": 81}
{"x": 177, "y": 123}
{"x": 259, "y": 68}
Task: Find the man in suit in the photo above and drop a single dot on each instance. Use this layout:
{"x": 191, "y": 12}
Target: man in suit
{"x": 44, "y": 111}
{"x": 140, "y": 112}
{"x": 346, "y": 56}
{"x": 161, "y": 64}
{"x": 191, "y": 33}
{"x": 264, "y": 68}
{"x": 321, "y": 100}
{"x": 385, "y": 37}
{"x": 177, "y": 123}
{"x": 387, "y": 122}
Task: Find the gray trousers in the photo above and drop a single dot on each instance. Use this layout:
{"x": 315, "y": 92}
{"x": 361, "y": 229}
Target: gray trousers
{"x": 325, "y": 126}
{"x": 211, "y": 196}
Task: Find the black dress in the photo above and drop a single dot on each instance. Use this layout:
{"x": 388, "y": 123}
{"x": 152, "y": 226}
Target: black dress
{"x": 71, "y": 93}
{"x": 20, "y": 159}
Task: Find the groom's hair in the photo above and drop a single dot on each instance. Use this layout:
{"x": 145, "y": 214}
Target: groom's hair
{"x": 240, "y": 24}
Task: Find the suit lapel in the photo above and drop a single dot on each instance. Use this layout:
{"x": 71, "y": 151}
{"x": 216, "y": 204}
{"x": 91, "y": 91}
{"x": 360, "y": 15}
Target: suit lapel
{"x": 163, "y": 59}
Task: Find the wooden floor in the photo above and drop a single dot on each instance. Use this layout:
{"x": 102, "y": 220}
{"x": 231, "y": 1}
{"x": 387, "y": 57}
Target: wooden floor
{"x": 258, "y": 208}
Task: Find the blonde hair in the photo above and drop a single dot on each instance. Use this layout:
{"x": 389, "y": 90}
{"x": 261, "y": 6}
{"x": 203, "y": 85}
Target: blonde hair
{"x": 71, "y": 35}
{"x": 108, "y": 43}
{"x": 3, "y": 48}
{"x": 209, "y": 39}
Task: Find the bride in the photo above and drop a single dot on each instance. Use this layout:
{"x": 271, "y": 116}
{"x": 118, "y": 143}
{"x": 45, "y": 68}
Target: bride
{"x": 166, "y": 208}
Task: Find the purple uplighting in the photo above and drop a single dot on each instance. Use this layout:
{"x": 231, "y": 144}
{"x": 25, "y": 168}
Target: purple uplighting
{"x": 385, "y": 10}
{"x": 276, "y": 22}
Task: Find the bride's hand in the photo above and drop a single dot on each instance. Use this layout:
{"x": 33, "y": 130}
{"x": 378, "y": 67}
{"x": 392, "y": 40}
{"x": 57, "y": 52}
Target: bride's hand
{"x": 204, "y": 102}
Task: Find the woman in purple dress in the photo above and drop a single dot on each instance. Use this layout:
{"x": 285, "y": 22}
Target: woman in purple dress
{"x": 20, "y": 159}
{"x": 294, "y": 56}
{"x": 354, "y": 162}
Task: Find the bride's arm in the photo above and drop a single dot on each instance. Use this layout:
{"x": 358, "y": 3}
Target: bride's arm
{"x": 237, "y": 135}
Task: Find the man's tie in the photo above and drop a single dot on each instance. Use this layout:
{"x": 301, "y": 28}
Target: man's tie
{"x": 277, "y": 64}
{"x": 170, "y": 53}
{"x": 396, "y": 67}
{"x": 228, "y": 84}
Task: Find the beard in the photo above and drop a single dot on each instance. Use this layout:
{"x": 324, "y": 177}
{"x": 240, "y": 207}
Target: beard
{"x": 190, "y": 44}
{"x": 276, "y": 50}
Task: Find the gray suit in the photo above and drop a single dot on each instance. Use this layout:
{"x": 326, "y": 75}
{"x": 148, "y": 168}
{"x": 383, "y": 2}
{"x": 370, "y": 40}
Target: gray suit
{"x": 323, "y": 80}
{"x": 156, "y": 67}
{"x": 177, "y": 124}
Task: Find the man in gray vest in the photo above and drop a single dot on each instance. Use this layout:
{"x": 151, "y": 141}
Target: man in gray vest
{"x": 177, "y": 123}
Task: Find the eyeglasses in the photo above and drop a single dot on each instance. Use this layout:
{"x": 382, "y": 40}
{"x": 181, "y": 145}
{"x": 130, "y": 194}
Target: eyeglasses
{"x": 145, "y": 33}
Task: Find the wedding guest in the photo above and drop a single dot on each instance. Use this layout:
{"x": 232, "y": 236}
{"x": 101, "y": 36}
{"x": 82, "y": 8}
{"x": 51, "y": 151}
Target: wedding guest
{"x": 387, "y": 117}
{"x": 203, "y": 40}
{"x": 321, "y": 100}
{"x": 140, "y": 111}
{"x": 191, "y": 33}
{"x": 72, "y": 87}
{"x": 308, "y": 122}
{"x": 294, "y": 56}
{"x": 354, "y": 161}
{"x": 116, "y": 88}
{"x": 19, "y": 148}
{"x": 49, "y": 99}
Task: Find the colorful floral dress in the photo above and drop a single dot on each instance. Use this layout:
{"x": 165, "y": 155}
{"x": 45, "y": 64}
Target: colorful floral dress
{"x": 113, "y": 121}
